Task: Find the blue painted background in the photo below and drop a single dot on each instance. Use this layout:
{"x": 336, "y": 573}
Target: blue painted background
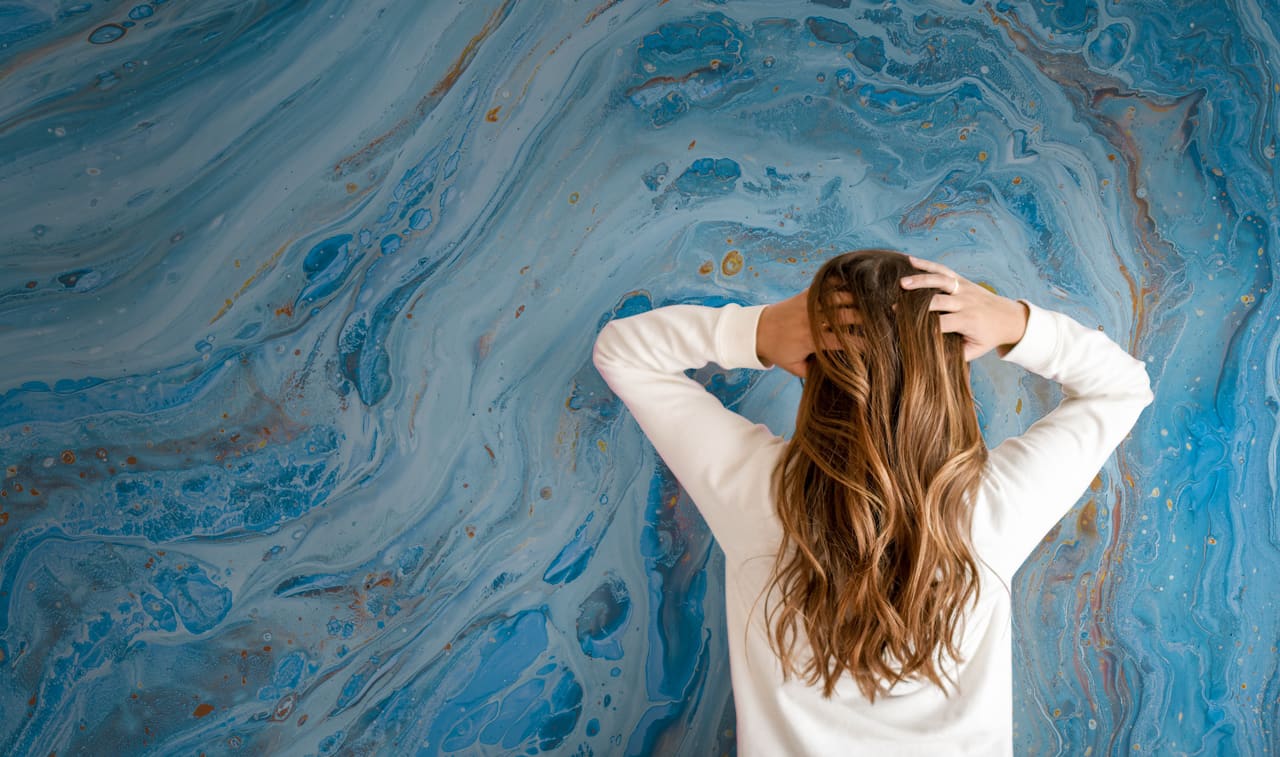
{"x": 302, "y": 446}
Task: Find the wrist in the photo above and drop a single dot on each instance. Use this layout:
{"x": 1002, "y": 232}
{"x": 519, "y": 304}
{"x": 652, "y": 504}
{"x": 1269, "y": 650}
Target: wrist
{"x": 1019, "y": 314}
{"x": 764, "y": 337}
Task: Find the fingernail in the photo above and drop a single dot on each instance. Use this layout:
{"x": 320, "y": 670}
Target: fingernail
{"x": 907, "y": 282}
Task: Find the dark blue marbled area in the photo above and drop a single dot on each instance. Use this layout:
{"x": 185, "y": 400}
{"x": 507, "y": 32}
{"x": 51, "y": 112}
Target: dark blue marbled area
{"x": 302, "y": 447}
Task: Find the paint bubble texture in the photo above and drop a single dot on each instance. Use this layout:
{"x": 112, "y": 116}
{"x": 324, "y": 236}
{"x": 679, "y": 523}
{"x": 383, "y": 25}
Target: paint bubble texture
{"x": 302, "y": 447}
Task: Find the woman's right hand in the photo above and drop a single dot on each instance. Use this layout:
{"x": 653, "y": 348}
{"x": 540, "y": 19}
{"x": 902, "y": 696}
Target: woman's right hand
{"x": 985, "y": 319}
{"x": 783, "y": 337}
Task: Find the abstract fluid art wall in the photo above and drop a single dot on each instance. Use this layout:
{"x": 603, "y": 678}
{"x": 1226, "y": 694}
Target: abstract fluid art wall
{"x": 302, "y": 447}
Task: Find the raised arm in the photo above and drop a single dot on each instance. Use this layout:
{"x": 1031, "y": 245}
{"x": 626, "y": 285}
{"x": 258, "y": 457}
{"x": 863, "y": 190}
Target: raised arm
{"x": 1036, "y": 477}
{"x": 1033, "y": 479}
{"x": 719, "y": 457}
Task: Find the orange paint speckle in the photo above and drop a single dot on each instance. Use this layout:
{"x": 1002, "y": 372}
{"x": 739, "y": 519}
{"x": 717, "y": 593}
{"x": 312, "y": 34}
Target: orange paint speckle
{"x": 519, "y": 310}
{"x": 492, "y": 115}
{"x": 68, "y": 456}
{"x": 204, "y": 708}
{"x": 1111, "y": 156}
{"x": 692, "y": 143}
{"x": 982, "y": 156}
{"x": 1017, "y": 408}
{"x": 131, "y": 460}
{"x": 1212, "y": 540}
{"x": 573, "y": 198}
{"x": 351, "y": 187}
{"x": 286, "y": 310}
{"x": 732, "y": 263}
{"x": 706, "y": 268}
{"x": 1017, "y": 180}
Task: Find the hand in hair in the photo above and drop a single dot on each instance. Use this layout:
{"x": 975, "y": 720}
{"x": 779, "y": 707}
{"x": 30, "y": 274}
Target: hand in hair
{"x": 982, "y": 317}
{"x": 784, "y": 338}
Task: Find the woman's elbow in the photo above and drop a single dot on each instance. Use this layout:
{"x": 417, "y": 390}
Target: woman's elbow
{"x": 603, "y": 349}
{"x": 1141, "y": 390}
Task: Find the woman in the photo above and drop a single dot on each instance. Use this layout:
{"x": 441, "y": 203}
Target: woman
{"x": 868, "y": 558}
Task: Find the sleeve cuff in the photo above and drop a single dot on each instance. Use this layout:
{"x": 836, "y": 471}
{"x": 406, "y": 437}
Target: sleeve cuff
{"x": 1038, "y": 343}
{"x": 736, "y": 337}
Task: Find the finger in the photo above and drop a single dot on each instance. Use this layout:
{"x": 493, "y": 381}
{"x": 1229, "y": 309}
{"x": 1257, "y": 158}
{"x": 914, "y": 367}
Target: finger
{"x": 951, "y": 322}
{"x": 944, "y": 303}
{"x": 847, "y": 317}
{"x": 830, "y": 342}
{"x": 945, "y": 282}
{"x": 930, "y": 266}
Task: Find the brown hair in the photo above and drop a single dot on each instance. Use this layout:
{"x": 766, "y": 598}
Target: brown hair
{"x": 875, "y": 488}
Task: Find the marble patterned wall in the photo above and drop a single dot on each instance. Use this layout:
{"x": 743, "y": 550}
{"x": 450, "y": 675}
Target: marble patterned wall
{"x": 302, "y": 448}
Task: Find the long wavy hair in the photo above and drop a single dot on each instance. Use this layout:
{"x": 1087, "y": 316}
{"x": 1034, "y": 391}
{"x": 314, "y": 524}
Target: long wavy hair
{"x": 875, "y": 487}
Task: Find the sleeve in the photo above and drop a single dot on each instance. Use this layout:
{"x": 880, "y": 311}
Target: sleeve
{"x": 1035, "y": 478}
{"x": 719, "y": 457}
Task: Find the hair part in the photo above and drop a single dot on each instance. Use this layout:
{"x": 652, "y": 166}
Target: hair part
{"x": 874, "y": 490}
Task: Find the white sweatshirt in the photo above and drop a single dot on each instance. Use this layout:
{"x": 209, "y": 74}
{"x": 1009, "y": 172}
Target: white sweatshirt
{"x": 723, "y": 461}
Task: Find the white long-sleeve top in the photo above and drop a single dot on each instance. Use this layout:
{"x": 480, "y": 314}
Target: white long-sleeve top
{"x": 724, "y": 462}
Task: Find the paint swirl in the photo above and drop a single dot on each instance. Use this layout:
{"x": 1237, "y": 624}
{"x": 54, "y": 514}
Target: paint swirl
{"x": 302, "y": 446}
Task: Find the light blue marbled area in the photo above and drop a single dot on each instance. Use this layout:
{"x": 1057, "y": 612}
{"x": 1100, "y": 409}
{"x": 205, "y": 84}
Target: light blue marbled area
{"x": 303, "y": 448}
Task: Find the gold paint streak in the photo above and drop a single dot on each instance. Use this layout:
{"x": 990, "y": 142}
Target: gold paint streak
{"x": 450, "y": 78}
{"x": 261, "y": 269}
{"x": 1087, "y": 520}
{"x": 601, "y": 9}
{"x": 468, "y": 52}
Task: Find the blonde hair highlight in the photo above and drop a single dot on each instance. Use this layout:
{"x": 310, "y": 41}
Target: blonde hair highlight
{"x": 874, "y": 491}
